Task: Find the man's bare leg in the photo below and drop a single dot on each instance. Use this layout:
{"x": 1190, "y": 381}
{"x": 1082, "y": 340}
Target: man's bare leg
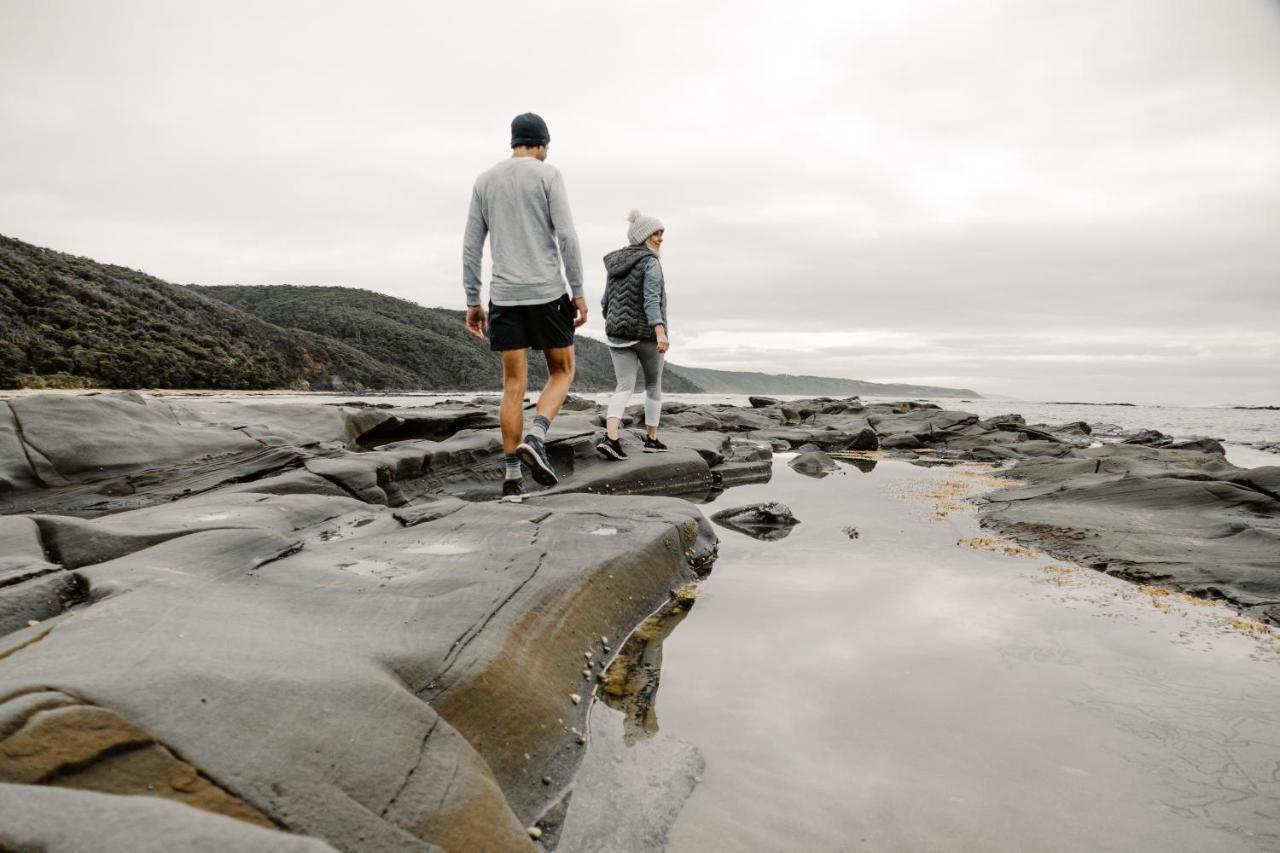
{"x": 559, "y": 378}
{"x": 515, "y": 378}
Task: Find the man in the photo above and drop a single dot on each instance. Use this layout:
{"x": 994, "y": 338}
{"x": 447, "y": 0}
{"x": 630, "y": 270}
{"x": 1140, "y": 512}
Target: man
{"x": 521, "y": 205}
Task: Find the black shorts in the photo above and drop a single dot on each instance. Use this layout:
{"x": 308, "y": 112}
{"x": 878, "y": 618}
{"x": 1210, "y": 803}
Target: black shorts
{"x": 540, "y": 327}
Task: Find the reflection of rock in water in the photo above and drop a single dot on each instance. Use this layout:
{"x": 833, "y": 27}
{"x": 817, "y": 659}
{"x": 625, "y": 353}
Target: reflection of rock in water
{"x": 630, "y": 684}
{"x": 813, "y": 463}
{"x": 862, "y": 463}
{"x": 766, "y": 521}
{"x": 634, "y": 780}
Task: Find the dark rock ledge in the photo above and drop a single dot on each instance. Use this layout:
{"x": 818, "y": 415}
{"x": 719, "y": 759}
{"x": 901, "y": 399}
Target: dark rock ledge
{"x": 1179, "y": 518}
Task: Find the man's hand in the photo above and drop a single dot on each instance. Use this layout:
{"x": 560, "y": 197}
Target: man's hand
{"x": 580, "y": 314}
{"x": 476, "y": 322}
{"x": 663, "y": 343}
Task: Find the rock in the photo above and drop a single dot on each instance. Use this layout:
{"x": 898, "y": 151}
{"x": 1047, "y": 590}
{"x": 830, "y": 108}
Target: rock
{"x": 902, "y": 441}
{"x": 574, "y": 403}
{"x": 242, "y": 610}
{"x": 1201, "y": 443}
{"x": 928, "y": 425}
{"x": 766, "y": 521}
{"x": 678, "y": 471}
{"x": 96, "y": 438}
{"x": 1135, "y": 511}
{"x": 813, "y": 463}
{"x": 864, "y": 439}
{"x": 65, "y": 820}
{"x": 1073, "y": 428}
{"x": 763, "y": 402}
{"x": 626, "y": 420}
{"x": 732, "y": 419}
{"x": 16, "y": 472}
{"x": 1149, "y": 437}
{"x": 994, "y": 422}
{"x": 851, "y": 532}
{"x": 1026, "y": 432}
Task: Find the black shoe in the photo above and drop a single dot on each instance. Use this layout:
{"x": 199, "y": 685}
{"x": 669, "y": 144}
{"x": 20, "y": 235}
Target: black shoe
{"x": 652, "y": 445}
{"x": 533, "y": 453}
{"x": 512, "y": 491}
{"x": 610, "y": 448}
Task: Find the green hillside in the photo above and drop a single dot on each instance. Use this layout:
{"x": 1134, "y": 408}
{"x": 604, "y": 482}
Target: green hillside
{"x": 67, "y": 321}
{"x": 432, "y": 343}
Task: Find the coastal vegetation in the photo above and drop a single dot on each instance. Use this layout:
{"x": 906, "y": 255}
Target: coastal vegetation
{"x": 72, "y": 322}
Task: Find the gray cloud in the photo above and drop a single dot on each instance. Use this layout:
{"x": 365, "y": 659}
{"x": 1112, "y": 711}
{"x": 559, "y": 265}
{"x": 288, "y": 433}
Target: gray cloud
{"x": 1050, "y": 200}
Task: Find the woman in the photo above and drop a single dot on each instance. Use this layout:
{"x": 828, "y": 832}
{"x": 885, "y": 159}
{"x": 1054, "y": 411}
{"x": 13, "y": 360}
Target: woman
{"x": 635, "y": 311}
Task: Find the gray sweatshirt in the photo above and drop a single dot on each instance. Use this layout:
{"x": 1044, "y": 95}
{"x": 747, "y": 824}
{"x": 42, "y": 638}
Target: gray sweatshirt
{"x": 521, "y": 205}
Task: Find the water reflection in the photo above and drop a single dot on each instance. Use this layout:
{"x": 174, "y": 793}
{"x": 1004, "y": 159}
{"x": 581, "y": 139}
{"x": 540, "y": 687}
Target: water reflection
{"x": 767, "y": 522}
{"x": 630, "y": 684}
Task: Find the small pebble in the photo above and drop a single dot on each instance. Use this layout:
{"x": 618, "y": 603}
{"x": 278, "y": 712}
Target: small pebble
{"x": 546, "y": 780}
{"x": 604, "y": 641}
{"x": 587, "y": 655}
{"x": 31, "y": 623}
{"x": 575, "y": 698}
{"x": 582, "y": 739}
{"x": 535, "y": 833}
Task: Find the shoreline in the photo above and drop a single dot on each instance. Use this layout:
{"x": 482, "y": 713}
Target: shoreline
{"x": 372, "y": 534}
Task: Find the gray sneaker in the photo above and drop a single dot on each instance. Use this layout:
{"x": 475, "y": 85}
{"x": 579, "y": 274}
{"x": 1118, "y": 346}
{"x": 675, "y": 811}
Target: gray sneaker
{"x": 533, "y": 453}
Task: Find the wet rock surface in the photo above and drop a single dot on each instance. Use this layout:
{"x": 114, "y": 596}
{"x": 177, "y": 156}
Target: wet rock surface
{"x": 295, "y": 626}
{"x": 1176, "y": 517}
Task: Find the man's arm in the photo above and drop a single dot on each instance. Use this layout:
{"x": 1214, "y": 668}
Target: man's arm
{"x": 566, "y": 235}
{"x": 473, "y": 249}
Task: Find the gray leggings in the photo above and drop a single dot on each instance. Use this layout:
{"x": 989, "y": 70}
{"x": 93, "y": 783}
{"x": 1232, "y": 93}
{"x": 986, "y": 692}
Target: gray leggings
{"x": 626, "y": 361}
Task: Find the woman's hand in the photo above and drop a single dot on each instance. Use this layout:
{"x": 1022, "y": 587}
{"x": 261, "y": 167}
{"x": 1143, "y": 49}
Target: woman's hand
{"x": 663, "y": 343}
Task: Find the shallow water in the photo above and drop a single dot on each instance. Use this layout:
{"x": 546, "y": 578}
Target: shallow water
{"x": 902, "y": 692}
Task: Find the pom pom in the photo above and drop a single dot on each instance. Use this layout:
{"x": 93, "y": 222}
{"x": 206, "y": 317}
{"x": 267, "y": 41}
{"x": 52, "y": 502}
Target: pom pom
{"x": 633, "y": 216}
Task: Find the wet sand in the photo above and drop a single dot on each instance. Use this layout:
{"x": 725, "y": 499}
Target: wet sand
{"x": 902, "y": 692}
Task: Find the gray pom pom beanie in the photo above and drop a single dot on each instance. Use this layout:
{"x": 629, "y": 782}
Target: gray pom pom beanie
{"x": 642, "y": 227}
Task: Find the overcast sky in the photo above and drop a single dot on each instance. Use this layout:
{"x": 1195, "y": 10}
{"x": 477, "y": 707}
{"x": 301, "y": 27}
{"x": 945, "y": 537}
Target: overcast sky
{"x": 1048, "y": 199}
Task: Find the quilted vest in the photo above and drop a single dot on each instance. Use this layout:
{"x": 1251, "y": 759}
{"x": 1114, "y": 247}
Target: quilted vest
{"x": 625, "y": 318}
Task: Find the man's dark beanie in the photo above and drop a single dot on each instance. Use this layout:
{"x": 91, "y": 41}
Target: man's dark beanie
{"x": 529, "y": 129}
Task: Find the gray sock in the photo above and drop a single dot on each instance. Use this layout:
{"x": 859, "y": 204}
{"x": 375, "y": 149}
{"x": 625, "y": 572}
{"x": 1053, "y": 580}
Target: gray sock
{"x": 512, "y": 464}
{"x": 540, "y": 427}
